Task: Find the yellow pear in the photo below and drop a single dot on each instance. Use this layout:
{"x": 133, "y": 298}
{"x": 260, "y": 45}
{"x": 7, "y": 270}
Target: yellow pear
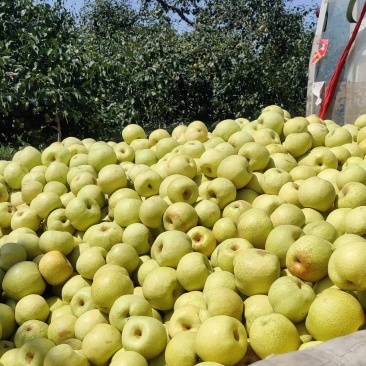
{"x": 334, "y": 313}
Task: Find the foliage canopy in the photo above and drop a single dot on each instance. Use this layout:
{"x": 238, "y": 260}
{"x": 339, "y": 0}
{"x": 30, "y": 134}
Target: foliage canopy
{"x": 157, "y": 63}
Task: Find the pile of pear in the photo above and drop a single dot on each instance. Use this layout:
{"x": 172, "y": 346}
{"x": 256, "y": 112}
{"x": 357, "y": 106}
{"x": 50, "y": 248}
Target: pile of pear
{"x": 191, "y": 247}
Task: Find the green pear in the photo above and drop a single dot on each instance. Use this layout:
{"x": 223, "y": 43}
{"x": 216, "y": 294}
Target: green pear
{"x": 317, "y": 193}
{"x": 108, "y": 285}
{"x": 288, "y": 214}
{"x": 273, "y": 334}
{"x": 31, "y": 307}
{"x": 308, "y": 257}
{"x": 256, "y": 154}
{"x": 182, "y": 189}
{"x": 268, "y": 202}
{"x": 161, "y": 288}
{"x": 83, "y": 213}
{"x": 254, "y": 307}
{"x": 334, "y": 313}
{"x": 62, "y": 328}
{"x": 86, "y": 321}
{"x": 185, "y": 318}
{"x": 220, "y": 279}
{"x": 125, "y": 307}
{"x": 145, "y": 335}
{"x": 255, "y": 270}
{"x": 62, "y": 353}
{"x": 255, "y": 225}
{"x": 126, "y": 211}
{"x": 291, "y": 297}
{"x": 82, "y": 301}
{"x": 152, "y": 210}
{"x": 72, "y": 286}
{"x": 23, "y": 278}
{"x": 221, "y": 339}
{"x": 280, "y": 239}
{"x": 322, "y": 229}
{"x": 90, "y": 260}
{"x": 346, "y": 267}
{"x": 104, "y": 234}
{"x": 354, "y": 221}
{"x": 33, "y": 352}
{"x": 192, "y": 271}
{"x": 126, "y": 358}
{"x": 104, "y": 334}
{"x": 221, "y": 301}
{"x": 351, "y": 195}
{"x": 181, "y": 350}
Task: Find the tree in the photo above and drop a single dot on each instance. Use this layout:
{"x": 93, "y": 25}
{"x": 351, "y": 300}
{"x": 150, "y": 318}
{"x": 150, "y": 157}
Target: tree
{"x": 43, "y": 72}
{"x": 158, "y": 63}
{"x": 230, "y": 59}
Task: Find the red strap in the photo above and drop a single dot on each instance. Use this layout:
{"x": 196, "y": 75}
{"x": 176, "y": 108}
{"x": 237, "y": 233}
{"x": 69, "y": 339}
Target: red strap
{"x": 329, "y": 94}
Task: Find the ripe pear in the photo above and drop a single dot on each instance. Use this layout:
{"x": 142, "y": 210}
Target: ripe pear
{"x": 255, "y": 225}
{"x": 322, "y": 229}
{"x": 108, "y": 285}
{"x": 23, "y": 278}
{"x": 170, "y": 246}
{"x": 254, "y": 307}
{"x": 347, "y": 266}
{"x": 183, "y": 319}
{"x": 31, "y": 307}
{"x": 221, "y": 301}
{"x": 221, "y": 339}
{"x": 355, "y": 221}
{"x": 145, "y": 335}
{"x": 280, "y": 239}
{"x": 86, "y": 321}
{"x": 220, "y": 279}
{"x": 255, "y": 270}
{"x": 273, "y": 334}
{"x": 192, "y": 271}
{"x": 291, "y": 297}
{"x": 268, "y": 202}
{"x": 104, "y": 334}
{"x": 317, "y": 193}
{"x": 161, "y": 288}
{"x": 126, "y": 358}
{"x": 62, "y": 353}
{"x": 55, "y": 268}
{"x": 181, "y": 350}
{"x": 334, "y": 313}
{"x": 308, "y": 257}
{"x": 288, "y": 214}
{"x": 36, "y": 348}
{"x": 62, "y": 328}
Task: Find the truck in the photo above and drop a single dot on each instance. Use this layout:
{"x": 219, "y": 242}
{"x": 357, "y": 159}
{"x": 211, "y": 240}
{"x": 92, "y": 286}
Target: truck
{"x": 339, "y": 46}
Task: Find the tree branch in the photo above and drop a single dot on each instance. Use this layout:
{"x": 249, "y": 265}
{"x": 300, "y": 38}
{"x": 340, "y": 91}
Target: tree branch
{"x": 167, "y": 7}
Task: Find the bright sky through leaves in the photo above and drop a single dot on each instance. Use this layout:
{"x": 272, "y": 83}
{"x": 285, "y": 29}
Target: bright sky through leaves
{"x": 77, "y": 4}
